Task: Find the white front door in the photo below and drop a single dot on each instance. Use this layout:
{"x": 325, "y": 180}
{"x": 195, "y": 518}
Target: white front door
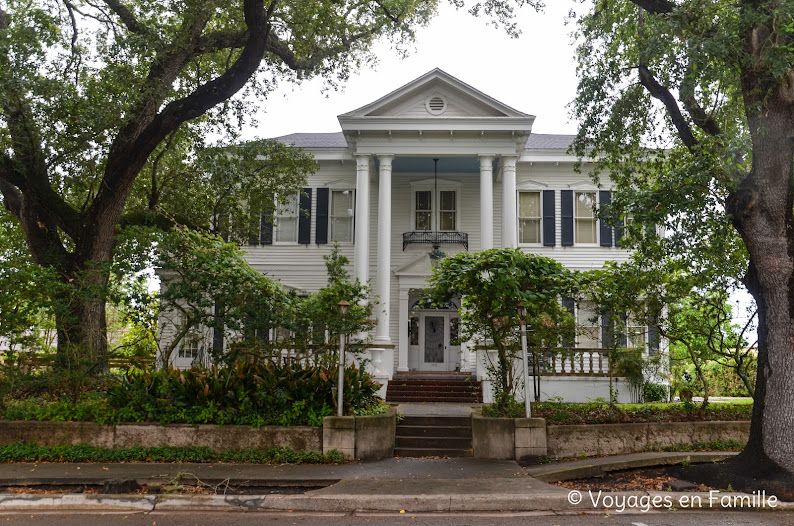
{"x": 437, "y": 330}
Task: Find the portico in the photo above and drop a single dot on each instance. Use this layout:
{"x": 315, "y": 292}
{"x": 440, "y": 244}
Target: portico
{"x": 418, "y": 203}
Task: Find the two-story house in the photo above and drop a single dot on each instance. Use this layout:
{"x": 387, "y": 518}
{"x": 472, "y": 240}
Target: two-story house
{"x": 437, "y": 165}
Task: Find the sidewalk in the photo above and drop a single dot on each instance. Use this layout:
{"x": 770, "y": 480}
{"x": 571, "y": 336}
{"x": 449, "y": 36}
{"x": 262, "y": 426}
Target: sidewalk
{"x": 392, "y": 485}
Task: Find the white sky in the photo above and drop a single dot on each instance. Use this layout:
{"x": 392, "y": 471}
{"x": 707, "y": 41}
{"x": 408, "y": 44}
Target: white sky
{"x": 534, "y": 73}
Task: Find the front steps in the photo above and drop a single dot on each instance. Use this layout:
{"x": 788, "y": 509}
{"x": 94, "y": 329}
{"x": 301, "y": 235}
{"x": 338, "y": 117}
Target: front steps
{"x": 434, "y": 387}
{"x": 434, "y": 436}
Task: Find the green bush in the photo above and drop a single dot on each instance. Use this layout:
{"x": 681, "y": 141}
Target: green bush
{"x": 23, "y": 452}
{"x": 247, "y": 392}
{"x": 652, "y": 392}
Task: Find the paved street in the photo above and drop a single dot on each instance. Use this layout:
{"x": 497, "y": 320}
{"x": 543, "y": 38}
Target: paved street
{"x": 389, "y": 519}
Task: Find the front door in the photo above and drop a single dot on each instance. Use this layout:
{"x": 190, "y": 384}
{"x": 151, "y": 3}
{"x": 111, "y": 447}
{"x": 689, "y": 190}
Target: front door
{"x": 437, "y": 331}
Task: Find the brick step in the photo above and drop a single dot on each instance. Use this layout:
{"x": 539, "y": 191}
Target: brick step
{"x": 409, "y": 389}
{"x": 402, "y": 442}
{"x": 437, "y": 421}
{"x": 433, "y": 452}
{"x": 468, "y": 399}
{"x": 435, "y": 384}
{"x": 434, "y": 431}
{"x": 398, "y": 381}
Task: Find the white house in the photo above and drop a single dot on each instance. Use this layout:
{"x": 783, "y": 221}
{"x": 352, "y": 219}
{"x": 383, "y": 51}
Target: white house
{"x": 437, "y": 162}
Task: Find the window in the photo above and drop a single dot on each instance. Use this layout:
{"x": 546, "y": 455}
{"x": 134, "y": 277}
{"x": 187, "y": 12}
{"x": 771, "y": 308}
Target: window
{"x": 447, "y": 211}
{"x": 190, "y": 346}
{"x": 427, "y": 218}
{"x": 585, "y": 218}
{"x": 635, "y": 333}
{"x": 529, "y": 217}
{"x": 340, "y": 220}
{"x": 424, "y": 210}
{"x": 587, "y": 326}
{"x": 285, "y": 229}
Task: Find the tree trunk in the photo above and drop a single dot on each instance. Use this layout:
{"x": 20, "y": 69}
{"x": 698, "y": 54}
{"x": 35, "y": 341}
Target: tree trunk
{"x": 761, "y": 209}
{"x": 82, "y": 332}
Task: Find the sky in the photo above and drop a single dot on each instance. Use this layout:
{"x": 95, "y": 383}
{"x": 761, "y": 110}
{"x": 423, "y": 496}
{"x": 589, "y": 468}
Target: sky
{"x": 534, "y": 73}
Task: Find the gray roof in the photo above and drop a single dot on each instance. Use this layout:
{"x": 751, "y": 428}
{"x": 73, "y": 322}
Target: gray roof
{"x": 315, "y": 140}
{"x": 537, "y": 141}
{"x": 545, "y": 141}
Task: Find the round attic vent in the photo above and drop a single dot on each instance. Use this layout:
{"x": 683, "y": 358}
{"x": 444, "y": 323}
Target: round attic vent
{"x": 436, "y": 104}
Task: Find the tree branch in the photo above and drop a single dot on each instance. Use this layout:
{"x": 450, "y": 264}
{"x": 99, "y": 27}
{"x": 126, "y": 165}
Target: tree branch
{"x": 702, "y": 120}
{"x": 663, "y": 94}
{"x": 127, "y": 17}
{"x": 11, "y": 197}
{"x": 657, "y": 7}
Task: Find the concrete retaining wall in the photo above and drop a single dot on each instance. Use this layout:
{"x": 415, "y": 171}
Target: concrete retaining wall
{"x": 508, "y": 438}
{"x": 218, "y": 438}
{"x": 368, "y": 437}
{"x": 613, "y": 439}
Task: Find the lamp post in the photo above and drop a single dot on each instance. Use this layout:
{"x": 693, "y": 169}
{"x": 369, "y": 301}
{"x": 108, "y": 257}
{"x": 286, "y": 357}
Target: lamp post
{"x": 522, "y": 314}
{"x": 343, "y": 306}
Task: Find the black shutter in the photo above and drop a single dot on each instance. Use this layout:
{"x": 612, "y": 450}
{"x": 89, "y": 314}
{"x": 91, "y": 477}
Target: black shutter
{"x": 653, "y": 340}
{"x": 305, "y": 216}
{"x": 570, "y": 305}
{"x": 549, "y": 219}
{"x": 618, "y": 232}
{"x": 253, "y": 236}
{"x": 604, "y": 227}
{"x": 321, "y": 222}
{"x": 266, "y": 224}
{"x": 217, "y": 334}
{"x": 566, "y": 213}
{"x": 607, "y": 332}
{"x": 624, "y": 341}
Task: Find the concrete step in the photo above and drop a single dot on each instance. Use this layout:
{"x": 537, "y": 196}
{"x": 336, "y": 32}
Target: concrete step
{"x": 433, "y": 452}
{"x": 436, "y": 421}
{"x": 434, "y": 431}
{"x": 453, "y": 399}
{"x": 403, "y": 442}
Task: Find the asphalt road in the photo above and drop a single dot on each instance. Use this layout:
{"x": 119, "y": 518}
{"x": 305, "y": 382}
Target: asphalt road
{"x": 200, "y": 518}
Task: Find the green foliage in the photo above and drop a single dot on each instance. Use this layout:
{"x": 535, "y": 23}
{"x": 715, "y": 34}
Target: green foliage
{"x": 24, "y": 452}
{"x": 714, "y": 445}
{"x": 605, "y": 413}
{"x": 492, "y": 283}
{"x": 251, "y": 393}
{"x": 653, "y": 392}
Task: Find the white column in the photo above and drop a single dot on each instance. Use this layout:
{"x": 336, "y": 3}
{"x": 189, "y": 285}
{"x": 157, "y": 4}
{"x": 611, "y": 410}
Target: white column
{"x": 486, "y": 202}
{"x": 383, "y": 279}
{"x": 509, "y": 213}
{"x": 361, "y": 249}
{"x": 402, "y": 339}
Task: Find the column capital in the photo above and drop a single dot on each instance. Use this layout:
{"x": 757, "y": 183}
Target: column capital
{"x": 485, "y": 158}
{"x": 385, "y": 159}
{"x": 362, "y": 161}
{"x": 509, "y": 161}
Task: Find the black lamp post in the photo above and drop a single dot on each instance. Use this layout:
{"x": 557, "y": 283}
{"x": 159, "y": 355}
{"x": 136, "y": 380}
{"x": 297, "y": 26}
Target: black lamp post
{"x": 343, "y": 306}
{"x": 522, "y": 314}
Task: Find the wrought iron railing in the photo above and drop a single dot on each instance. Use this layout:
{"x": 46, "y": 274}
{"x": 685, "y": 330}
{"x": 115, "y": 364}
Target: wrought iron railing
{"x": 436, "y": 238}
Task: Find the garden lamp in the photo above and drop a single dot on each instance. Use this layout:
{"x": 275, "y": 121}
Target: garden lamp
{"x": 522, "y": 314}
{"x": 343, "y": 306}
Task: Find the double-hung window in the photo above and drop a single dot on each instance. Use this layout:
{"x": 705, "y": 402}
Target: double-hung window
{"x": 285, "y": 229}
{"x": 435, "y": 210}
{"x": 587, "y": 326}
{"x": 635, "y": 333}
{"x": 585, "y": 221}
{"x": 529, "y": 217}
{"x": 340, "y": 217}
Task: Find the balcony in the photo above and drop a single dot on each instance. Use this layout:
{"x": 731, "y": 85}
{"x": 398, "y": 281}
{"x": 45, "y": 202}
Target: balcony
{"x": 436, "y": 238}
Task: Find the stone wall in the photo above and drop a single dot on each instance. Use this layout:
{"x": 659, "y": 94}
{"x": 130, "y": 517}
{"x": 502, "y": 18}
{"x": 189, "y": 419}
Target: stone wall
{"x": 614, "y": 439}
{"x": 218, "y": 438}
{"x": 361, "y": 437}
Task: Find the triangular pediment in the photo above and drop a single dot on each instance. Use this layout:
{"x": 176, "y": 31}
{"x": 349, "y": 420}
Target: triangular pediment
{"x": 419, "y": 266}
{"x": 435, "y": 95}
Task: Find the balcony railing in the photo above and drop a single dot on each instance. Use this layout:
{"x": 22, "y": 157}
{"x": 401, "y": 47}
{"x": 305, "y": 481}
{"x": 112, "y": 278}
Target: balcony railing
{"x": 564, "y": 361}
{"x": 436, "y": 238}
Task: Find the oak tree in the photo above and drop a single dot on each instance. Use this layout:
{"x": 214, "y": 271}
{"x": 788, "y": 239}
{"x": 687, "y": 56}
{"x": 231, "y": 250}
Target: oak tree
{"x": 688, "y": 104}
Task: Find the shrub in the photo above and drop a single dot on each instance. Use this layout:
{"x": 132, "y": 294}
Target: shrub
{"x": 652, "y": 392}
{"x": 273, "y": 392}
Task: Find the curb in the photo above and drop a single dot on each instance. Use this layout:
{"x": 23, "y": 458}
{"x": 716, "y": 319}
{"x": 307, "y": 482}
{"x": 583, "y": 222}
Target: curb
{"x": 596, "y": 468}
{"x": 615, "y": 502}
